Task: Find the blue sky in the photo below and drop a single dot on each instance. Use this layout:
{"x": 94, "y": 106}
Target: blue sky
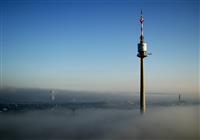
{"x": 92, "y": 45}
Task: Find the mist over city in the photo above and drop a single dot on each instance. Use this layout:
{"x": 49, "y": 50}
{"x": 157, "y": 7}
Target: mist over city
{"x": 99, "y": 69}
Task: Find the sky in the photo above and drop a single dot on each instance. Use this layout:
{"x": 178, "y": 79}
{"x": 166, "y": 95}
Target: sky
{"x": 92, "y": 44}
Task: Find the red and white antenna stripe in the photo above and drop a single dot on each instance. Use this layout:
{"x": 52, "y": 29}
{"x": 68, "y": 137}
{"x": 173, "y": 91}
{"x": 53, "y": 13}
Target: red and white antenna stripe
{"x": 142, "y": 21}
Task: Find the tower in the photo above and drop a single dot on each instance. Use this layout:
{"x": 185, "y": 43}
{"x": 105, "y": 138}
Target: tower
{"x": 142, "y": 53}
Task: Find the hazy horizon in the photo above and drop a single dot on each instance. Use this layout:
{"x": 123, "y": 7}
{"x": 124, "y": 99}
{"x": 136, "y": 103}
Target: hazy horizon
{"x": 97, "y": 91}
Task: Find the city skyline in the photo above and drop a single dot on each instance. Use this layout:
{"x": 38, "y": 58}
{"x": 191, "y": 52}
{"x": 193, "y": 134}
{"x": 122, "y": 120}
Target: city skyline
{"x": 85, "y": 45}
